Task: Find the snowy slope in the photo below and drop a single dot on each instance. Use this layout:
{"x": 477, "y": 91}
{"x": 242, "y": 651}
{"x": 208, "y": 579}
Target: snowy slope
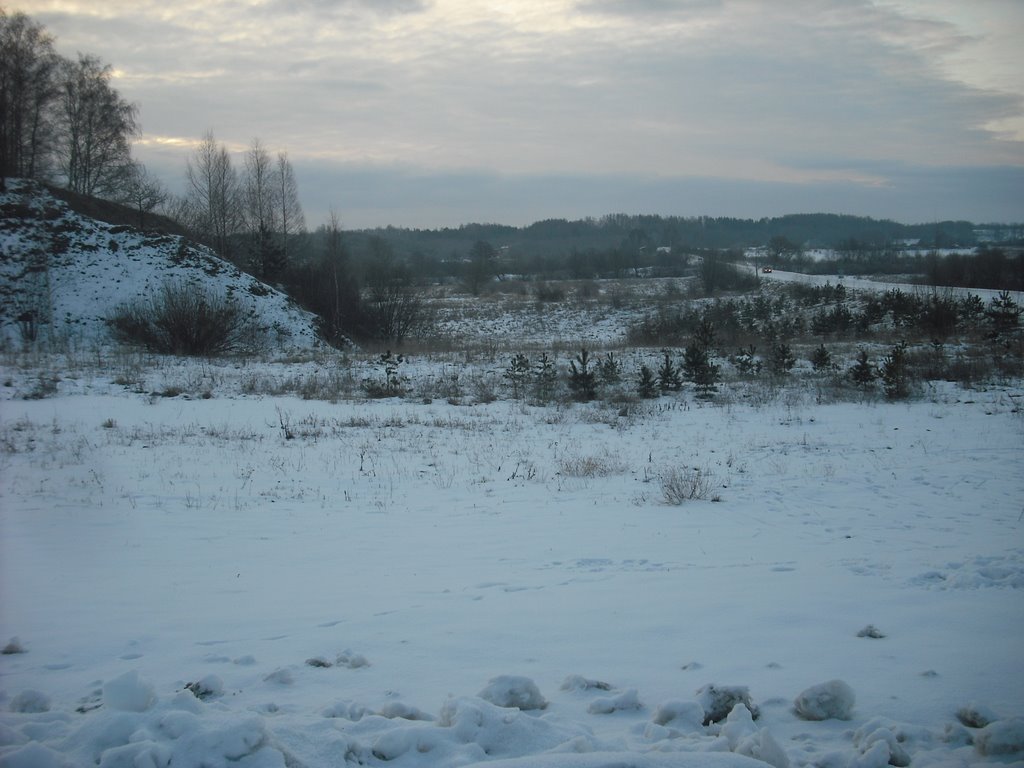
{"x": 72, "y": 271}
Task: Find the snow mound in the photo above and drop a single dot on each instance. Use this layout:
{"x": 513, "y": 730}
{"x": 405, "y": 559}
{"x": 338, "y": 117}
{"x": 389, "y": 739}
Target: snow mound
{"x": 1003, "y": 737}
{"x": 619, "y": 760}
{"x": 827, "y": 701}
{"x": 34, "y": 755}
{"x": 129, "y": 693}
{"x": 975, "y": 715}
{"x": 627, "y": 700}
{"x": 580, "y": 683}
{"x": 719, "y": 700}
{"x": 976, "y": 573}
{"x": 351, "y": 660}
{"x": 513, "y": 691}
{"x": 503, "y": 732}
{"x": 30, "y": 701}
{"x": 877, "y": 739}
{"x": 745, "y": 738}
{"x": 69, "y": 272}
{"x": 206, "y": 687}
{"x": 680, "y": 714}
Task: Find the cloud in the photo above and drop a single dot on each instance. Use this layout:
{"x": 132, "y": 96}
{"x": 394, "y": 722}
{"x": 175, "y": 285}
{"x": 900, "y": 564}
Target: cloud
{"x": 383, "y": 7}
{"x": 367, "y": 196}
{"x": 807, "y": 92}
{"x": 646, "y": 7}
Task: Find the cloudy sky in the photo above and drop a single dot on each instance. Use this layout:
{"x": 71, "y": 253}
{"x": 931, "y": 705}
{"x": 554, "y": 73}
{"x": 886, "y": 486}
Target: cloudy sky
{"x": 431, "y": 113}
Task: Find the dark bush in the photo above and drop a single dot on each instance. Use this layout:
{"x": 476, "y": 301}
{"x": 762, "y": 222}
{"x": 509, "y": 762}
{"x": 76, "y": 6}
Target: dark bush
{"x": 182, "y": 319}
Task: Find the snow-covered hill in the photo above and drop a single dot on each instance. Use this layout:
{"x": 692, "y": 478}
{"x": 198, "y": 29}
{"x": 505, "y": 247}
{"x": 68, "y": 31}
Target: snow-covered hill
{"x": 67, "y": 273}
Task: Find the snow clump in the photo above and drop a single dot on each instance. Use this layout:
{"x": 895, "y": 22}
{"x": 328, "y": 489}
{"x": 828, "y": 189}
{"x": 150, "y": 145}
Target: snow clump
{"x": 745, "y": 738}
{"x": 1003, "y": 737}
{"x": 513, "y": 691}
{"x": 876, "y": 739}
{"x": 129, "y": 693}
{"x": 580, "y": 683}
{"x": 281, "y": 676}
{"x": 490, "y": 731}
{"x": 206, "y": 687}
{"x": 976, "y": 715}
{"x": 352, "y": 660}
{"x": 13, "y": 647}
{"x": 680, "y": 714}
{"x": 624, "y": 701}
{"x": 827, "y": 701}
{"x": 30, "y": 702}
{"x": 718, "y": 701}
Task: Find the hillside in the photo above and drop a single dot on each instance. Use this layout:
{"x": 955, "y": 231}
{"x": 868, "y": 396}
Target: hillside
{"x": 63, "y": 273}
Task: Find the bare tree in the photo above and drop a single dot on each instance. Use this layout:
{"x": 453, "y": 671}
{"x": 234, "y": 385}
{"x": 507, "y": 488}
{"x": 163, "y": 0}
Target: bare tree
{"x": 260, "y": 209}
{"x": 28, "y": 89}
{"x": 143, "y": 192}
{"x": 213, "y": 194}
{"x": 291, "y": 220}
{"x": 95, "y": 127}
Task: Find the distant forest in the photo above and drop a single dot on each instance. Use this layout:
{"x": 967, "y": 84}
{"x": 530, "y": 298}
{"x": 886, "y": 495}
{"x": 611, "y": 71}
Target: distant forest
{"x": 559, "y": 238}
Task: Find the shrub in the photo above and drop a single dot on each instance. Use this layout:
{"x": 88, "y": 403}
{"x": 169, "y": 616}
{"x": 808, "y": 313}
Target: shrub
{"x": 392, "y": 383}
{"x": 545, "y": 292}
{"x": 182, "y": 319}
{"x": 686, "y": 484}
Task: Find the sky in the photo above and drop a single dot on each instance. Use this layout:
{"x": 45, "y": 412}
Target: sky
{"x": 432, "y": 113}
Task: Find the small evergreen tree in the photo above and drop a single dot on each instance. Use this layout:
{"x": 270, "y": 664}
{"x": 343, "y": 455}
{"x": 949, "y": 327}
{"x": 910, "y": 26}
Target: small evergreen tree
{"x": 894, "y": 374}
{"x": 1003, "y": 314}
{"x": 582, "y": 379}
{"x": 669, "y": 377}
{"x": 782, "y": 358}
{"x": 646, "y": 386}
{"x": 699, "y": 369}
{"x": 821, "y": 358}
{"x": 609, "y": 369}
{"x": 544, "y": 378}
{"x": 862, "y": 373}
{"x": 517, "y": 374}
{"x": 745, "y": 361}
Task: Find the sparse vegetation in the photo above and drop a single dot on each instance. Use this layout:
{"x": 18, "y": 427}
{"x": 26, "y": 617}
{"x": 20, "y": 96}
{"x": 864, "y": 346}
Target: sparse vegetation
{"x": 682, "y": 484}
{"x": 181, "y": 319}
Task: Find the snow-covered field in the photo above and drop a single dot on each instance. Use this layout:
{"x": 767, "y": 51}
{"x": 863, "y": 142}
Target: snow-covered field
{"x": 242, "y": 579}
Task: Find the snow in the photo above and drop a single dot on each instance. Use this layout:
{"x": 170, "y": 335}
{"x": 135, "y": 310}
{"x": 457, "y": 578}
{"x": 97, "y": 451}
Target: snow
{"x": 825, "y": 701}
{"x": 91, "y": 268}
{"x": 171, "y": 567}
{"x": 1004, "y": 737}
{"x": 418, "y": 582}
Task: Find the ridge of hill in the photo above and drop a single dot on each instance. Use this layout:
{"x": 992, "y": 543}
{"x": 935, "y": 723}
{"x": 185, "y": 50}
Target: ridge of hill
{"x": 63, "y": 273}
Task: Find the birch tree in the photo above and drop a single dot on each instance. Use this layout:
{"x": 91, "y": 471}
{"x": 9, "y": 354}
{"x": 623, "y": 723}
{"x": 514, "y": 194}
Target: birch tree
{"x": 96, "y": 126}
{"x": 213, "y": 194}
{"x": 28, "y": 91}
